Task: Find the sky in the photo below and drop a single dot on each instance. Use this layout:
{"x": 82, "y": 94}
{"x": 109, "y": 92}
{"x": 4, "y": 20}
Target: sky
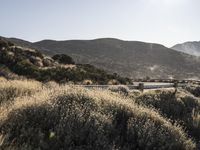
{"x": 167, "y": 22}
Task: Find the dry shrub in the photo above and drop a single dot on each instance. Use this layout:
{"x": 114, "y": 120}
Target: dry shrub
{"x": 87, "y": 82}
{"x": 134, "y": 93}
{"x": 179, "y": 107}
{"x": 51, "y": 84}
{"x": 196, "y": 118}
{"x": 113, "y": 82}
{"x": 194, "y": 89}
{"x": 10, "y": 89}
{"x": 77, "y": 118}
{"x": 122, "y": 89}
{"x": 2, "y": 79}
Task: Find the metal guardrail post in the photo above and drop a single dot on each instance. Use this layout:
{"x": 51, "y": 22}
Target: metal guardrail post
{"x": 141, "y": 87}
{"x": 175, "y": 86}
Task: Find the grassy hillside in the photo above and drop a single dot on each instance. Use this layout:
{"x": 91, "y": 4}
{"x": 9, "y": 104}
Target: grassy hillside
{"x": 128, "y": 58}
{"x": 49, "y": 116}
{"x": 60, "y": 68}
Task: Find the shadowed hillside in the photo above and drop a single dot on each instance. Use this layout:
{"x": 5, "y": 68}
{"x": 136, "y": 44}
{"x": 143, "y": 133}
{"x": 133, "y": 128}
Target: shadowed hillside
{"x": 128, "y": 58}
{"x": 61, "y": 68}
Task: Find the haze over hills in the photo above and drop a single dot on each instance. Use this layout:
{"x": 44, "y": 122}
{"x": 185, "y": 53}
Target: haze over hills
{"x": 192, "y": 48}
{"x": 128, "y": 58}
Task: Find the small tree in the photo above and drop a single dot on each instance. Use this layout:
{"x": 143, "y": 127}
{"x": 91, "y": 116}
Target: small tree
{"x": 63, "y": 59}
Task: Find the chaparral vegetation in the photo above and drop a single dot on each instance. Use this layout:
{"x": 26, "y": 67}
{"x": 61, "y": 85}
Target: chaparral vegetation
{"x": 35, "y": 115}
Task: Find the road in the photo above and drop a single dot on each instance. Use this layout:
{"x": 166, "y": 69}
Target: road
{"x": 147, "y": 85}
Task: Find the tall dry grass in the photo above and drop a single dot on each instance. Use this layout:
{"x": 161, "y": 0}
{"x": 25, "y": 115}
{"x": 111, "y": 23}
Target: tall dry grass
{"x": 67, "y": 117}
{"x": 10, "y": 89}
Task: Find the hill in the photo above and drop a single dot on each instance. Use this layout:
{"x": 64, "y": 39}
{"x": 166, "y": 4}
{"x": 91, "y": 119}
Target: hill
{"x": 61, "y": 68}
{"x": 128, "y": 58}
{"x": 192, "y": 48}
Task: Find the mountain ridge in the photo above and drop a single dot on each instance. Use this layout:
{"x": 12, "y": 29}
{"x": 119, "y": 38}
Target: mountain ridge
{"x": 191, "y": 47}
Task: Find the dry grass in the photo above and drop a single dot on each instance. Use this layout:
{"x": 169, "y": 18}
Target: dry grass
{"x": 10, "y": 89}
{"x": 2, "y": 79}
{"x": 67, "y": 117}
{"x": 196, "y": 118}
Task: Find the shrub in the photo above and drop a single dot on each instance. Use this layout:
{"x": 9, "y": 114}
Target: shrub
{"x": 26, "y": 68}
{"x": 134, "y": 93}
{"x": 63, "y": 59}
{"x": 193, "y": 89}
{"x": 177, "y": 107}
{"x": 76, "y": 118}
{"x": 5, "y": 58}
{"x": 3, "y": 43}
{"x": 113, "y": 82}
{"x": 87, "y": 82}
{"x": 122, "y": 89}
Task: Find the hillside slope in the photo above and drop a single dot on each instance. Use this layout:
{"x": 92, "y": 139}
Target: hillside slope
{"x": 60, "y": 68}
{"x": 128, "y": 58}
{"x": 192, "y": 48}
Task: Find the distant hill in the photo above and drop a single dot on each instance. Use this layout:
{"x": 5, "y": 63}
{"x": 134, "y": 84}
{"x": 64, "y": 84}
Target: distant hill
{"x": 128, "y": 58}
{"x": 192, "y": 48}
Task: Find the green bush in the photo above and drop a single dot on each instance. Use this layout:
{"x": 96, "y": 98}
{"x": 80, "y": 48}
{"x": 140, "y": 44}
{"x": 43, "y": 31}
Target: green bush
{"x": 3, "y": 43}
{"x": 63, "y": 59}
{"x": 26, "y": 68}
{"x": 5, "y": 58}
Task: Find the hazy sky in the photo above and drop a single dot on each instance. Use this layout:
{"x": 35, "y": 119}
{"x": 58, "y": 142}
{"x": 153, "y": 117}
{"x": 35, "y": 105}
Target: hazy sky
{"x": 160, "y": 21}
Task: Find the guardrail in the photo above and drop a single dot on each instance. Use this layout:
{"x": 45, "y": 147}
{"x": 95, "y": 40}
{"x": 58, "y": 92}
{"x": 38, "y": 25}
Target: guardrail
{"x": 140, "y": 86}
{"x": 168, "y": 80}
